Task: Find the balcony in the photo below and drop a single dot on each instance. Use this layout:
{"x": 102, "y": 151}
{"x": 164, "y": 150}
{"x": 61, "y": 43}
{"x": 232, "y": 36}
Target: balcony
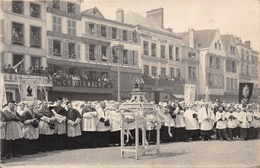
{"x": 35, "y": 41}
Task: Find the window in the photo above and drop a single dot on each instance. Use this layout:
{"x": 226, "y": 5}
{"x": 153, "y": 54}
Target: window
{"x": 193, "y": 55}
{"x": 103, "y": 52}
{"x": 57, "y": 48}
{"x": 17, "y": 34}
{"x": 234, "y": 68}
{"x": 72, "y": 53}
{"x": 247, "y": 55}
{"x": 177, "y": 52}
{"x": 154, "y": 71}
{"x": 194, "y": 72}
{"x": 114, "y": 33}
{"x": 56, "y": 24}
{"x": 153, "y": 49}
{"x": 216, "y": 45}
{"x": 211, "y": 63}
{"x": 170, "y": 53}
{"x": 145, "y": 47}
{"x": 248, "y": 69}
{"x": 35, "y": 37}
{"x": 92, "y": 52}
{"x": 172, "y": 72}
{"x": 190, "y": 72}
{"x": 35, "y": 10}
{"x": 219, "y": 46}
{"x": 125, "y": 58}
{"x": 189, "y": 54}
{"x": 115, "y": 57}
{"x": 210, "y": 79}
{"x": 242, "y": 53}
{"x": 18, "y": 7}
{"x": 72, "y": 27}
{"x": 178, "y": 72}
{"x": 103, "y": 31}
{"x": 92, "y": 75}
{"x": 124, "y": 35}
{"x": 91, "y": 28}
{"x": 56, "y": 4}
{"x": 146, "y": 69}
{"x": 232, "y": 49}
{"x": 71, "y": 8}
{"x": 163, "y": 72}
{"x": 17, "y": 59}
{"x": 217, "y": 63}
{"x": 35, "y": 62}
{"x": 162, "y": 51}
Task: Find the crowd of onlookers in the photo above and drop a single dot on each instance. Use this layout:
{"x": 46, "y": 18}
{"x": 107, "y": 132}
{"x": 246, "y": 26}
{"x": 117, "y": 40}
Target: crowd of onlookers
{"x": 31, "y": 71}
{"x": 29, "y": 127}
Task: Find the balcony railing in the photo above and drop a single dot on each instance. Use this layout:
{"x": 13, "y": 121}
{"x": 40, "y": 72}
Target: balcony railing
{"x": 82, "y": 83}
{"x": 18, "y": 40}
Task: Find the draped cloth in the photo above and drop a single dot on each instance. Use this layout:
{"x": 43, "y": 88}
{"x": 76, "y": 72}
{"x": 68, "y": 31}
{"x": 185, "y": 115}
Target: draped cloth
{"x": 45, "y": 115}
{"x": 29, "y": 132}
{"x": 13, "y": 125}
{"x": 206, "y": 119}
{"x": 73, "y": 116}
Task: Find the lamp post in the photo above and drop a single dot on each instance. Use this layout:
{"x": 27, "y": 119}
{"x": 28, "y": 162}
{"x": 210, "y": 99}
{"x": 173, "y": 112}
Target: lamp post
{"x": 118, "y": 50}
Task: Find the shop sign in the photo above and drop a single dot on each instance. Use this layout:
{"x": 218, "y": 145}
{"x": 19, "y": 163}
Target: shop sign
{"x": 24, "y": 50}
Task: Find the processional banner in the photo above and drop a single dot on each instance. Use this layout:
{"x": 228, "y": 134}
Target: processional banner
{"x": 189, "y": 94}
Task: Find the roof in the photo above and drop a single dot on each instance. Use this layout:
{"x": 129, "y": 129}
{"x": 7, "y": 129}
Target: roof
{"x": 203, "y": 38}
{"x": 93, "y": 12}
{"x": 134, "y": 18}
{"x": 226, "y": 40}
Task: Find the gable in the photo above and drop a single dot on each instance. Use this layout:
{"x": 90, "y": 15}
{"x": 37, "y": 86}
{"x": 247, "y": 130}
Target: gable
{"x": 94, "y": 12}
{"x": 216, "y": 46}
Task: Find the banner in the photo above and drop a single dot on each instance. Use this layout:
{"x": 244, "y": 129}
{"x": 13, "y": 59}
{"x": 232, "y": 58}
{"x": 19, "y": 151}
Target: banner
{"x": 3, "y": 99}
{"x": 29, "y": 89}
{"x": 189, "y": 94}
{"x": 245, "y": 92}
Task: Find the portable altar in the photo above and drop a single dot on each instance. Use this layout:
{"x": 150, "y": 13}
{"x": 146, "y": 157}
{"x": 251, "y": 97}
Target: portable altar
{"x": 141, "y": 113}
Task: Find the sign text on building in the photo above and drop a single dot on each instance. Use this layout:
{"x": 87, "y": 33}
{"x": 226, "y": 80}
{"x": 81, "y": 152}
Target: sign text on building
{"x": 24, "y": 50}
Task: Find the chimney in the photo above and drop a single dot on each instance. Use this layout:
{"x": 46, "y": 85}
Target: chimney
{"x": 120, "y": 15}
{"x": 247, "y": 43}
{"x": 156, "y": 16}
{"x": 169, "y": 29}
{"x": 191, "y": 37}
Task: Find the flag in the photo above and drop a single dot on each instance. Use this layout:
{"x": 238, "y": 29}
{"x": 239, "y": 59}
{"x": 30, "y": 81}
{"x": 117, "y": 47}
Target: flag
{"x": 17, "y": 65}
{"x": 245, "y": 92}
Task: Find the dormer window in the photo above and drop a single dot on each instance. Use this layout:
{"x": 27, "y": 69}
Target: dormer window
{"x": 91, "y": 28}
{"x": 103, "y": 31}
{"x": 56, "y": 4}
{"x": 71, "y": 8}
{"x": 18, "y": 7}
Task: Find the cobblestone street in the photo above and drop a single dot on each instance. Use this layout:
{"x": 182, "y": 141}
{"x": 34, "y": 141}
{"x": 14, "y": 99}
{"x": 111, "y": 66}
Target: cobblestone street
{"x": 181, "y": 154}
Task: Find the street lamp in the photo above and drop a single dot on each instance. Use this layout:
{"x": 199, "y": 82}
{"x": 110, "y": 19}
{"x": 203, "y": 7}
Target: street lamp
{"x": 118, "y": 50}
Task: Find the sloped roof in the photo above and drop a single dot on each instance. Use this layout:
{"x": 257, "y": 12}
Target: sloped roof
{"x": 203, "y": 38}
{"x": 89, "y": 12}
{"x": 134, "y": 18}
{"x": 226, "y": 40}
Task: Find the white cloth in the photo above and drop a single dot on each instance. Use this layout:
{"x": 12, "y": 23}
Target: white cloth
{"x": 101, "y": 125}
{"x": 30, "y": 132}
{"x": 243, "y": 119}
{"x": 191, "y": 123}
{"x": 206, "y": 120}
{"x": 45, "y": 129}
{"x": 232, "y": 123}
{"x": 73, "y": 131}
{"x": 89, "y": 121}
{"x": 115, "y": 120}
{"x": 13, "y": 130}
{"x": 221, "y": 124}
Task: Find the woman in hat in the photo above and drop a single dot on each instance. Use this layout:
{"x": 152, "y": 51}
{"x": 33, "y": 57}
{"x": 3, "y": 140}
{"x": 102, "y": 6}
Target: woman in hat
{"x": 30, "y": 129}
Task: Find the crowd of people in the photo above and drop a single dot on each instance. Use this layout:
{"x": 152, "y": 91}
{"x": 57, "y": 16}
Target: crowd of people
{"x": 29, "y": 127}
{"x": 33, "y": 70}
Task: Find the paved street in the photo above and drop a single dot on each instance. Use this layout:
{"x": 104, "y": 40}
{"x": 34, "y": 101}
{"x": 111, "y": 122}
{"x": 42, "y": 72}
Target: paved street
{"x": 181, "y": 154}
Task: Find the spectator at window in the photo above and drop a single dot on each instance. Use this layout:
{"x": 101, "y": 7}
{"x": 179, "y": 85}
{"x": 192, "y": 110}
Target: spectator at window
{"x": 21, "y": 69}
{"x": 29, "y": 71}
{"x": 56, "y": 52}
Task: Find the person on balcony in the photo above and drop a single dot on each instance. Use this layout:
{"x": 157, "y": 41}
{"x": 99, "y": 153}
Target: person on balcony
{"x": 9, "y": 69}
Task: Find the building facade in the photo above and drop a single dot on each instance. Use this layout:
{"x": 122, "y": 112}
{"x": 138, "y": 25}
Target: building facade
{"x": 23, "y": 43}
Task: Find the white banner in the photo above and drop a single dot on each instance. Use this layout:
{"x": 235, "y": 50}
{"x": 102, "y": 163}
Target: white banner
{"x": 189, "y": 94}
{"x": 3, "y": 99}
{"x": 29, "y": 89}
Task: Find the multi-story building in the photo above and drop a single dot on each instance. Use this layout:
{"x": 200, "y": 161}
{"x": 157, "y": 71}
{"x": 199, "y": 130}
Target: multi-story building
{"x": 231, "y": 68}
{"x": 99, "y": 37}
{"x": 160, "y": 56}
{"x": 248, "y": 72}
{"x": 23, "y": 34}
{"x": 212, "y": 58}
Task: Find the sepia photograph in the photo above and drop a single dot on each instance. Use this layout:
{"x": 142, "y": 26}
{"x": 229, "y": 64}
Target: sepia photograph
{"x": 130, "y": 83}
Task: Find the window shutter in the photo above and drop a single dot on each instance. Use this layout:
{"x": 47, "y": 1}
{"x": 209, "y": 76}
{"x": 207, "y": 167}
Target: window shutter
{"x": 119, "y": 34}
{"x": 54, "y": 24}
{"x": 130, "y": 36}
{"x": 69, "y": 27}
{"x": 65, "y": 49}
{"x": 99, "y": 30}
{"x": 109, "y": 54}
{"x": 64, "y": 6}
{"x": 86, "y": 51}
{"x": 77, "y": 9}
{"x": 130, "y": 57}
{"x": 78, "y": 51}
{"x": 109, "y": 32}
{"x": 86, "y": 27}
{"x": 136, "y": 58}
{"x": 138, "y": 37}
{"x": 59, "y": 25}
{"x": 50, "y": 48}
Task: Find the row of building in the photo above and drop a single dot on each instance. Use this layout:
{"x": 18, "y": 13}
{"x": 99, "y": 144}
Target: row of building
{"x": 58, "y": 35}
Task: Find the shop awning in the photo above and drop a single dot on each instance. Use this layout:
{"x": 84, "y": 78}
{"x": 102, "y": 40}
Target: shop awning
{"x": 178, "y": 96}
